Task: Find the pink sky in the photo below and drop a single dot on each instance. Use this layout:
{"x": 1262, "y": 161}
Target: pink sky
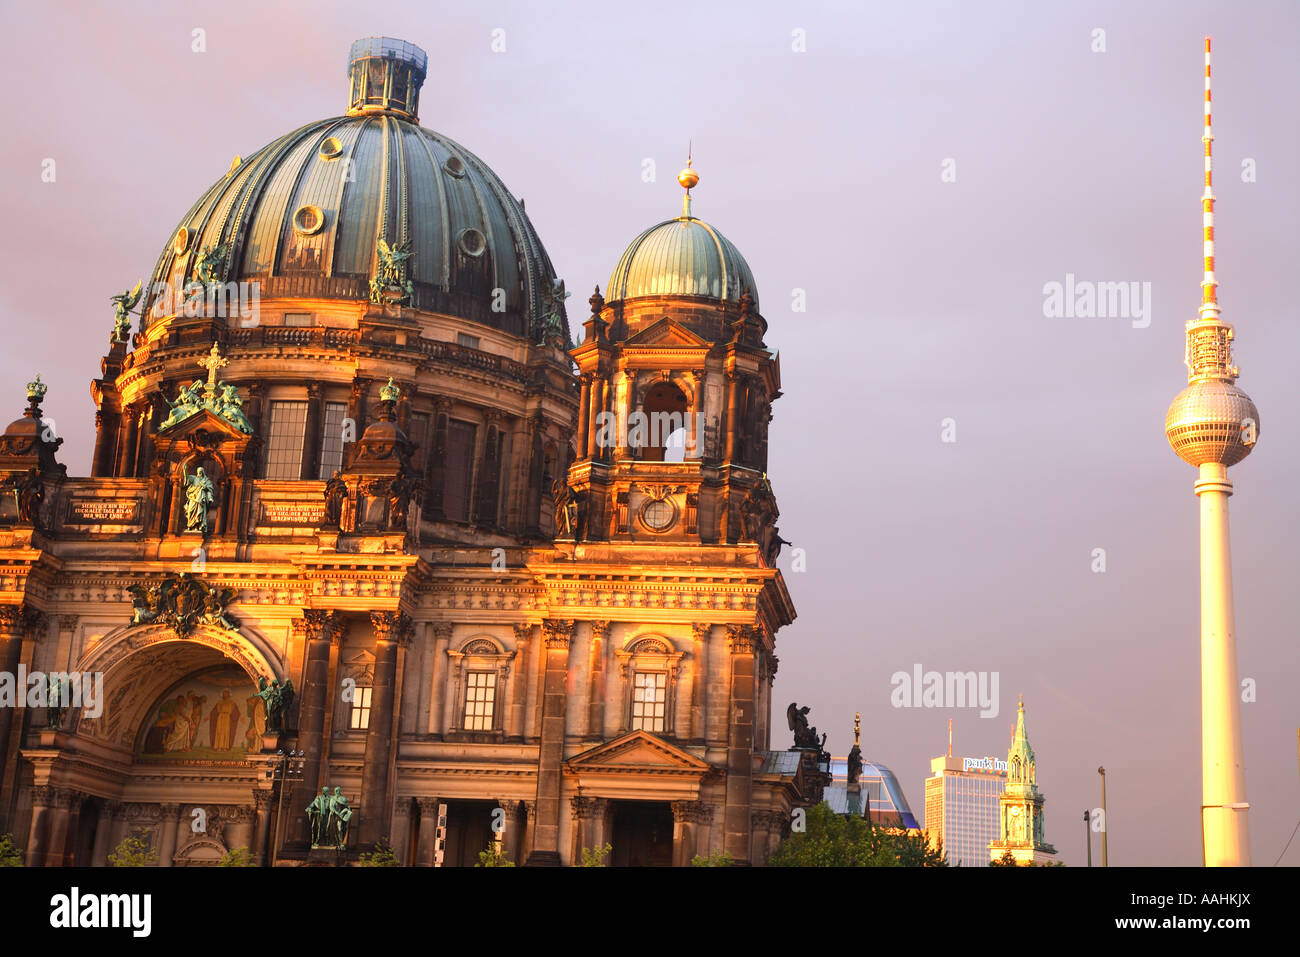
{"x": 924, "y": 302}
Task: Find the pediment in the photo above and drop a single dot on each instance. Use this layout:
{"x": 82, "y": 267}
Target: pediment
{"x": 203, "y": 421}
{"x": 637, "y": 751}
{"x": 666, "y": 332}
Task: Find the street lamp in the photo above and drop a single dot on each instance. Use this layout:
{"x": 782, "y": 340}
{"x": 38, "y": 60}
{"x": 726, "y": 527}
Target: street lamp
{"x": 287, "y": 768}
{"x": 1105, "y": 823}
{"x": 1087, "y": 833}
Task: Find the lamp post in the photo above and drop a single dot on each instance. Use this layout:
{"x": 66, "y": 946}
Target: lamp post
{"x": 1104, "y": 823}
{"x": 1087, "y": 833}
{"x": 288, "y": 767}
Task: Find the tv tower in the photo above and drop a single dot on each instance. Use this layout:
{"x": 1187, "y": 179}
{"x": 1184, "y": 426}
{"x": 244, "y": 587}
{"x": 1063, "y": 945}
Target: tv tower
{"x": 1213, "y": 424}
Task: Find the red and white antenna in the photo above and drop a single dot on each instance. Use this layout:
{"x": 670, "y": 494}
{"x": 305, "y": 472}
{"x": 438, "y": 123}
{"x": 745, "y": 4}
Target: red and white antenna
{"x": 1209, "y": 285}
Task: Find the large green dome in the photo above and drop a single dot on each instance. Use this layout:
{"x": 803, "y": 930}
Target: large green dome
{"x": 304, "y": 214}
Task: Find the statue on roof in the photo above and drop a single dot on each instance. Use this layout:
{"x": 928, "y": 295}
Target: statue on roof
{"x": 123, "y": 303}
{"x": 805, "y": 735}
{"x": 390, "y": 284}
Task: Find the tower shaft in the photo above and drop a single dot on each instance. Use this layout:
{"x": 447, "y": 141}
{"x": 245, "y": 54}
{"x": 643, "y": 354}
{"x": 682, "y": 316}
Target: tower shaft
{"x": 1224, "y": 826}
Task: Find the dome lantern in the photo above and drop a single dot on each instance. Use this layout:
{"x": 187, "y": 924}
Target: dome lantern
{"x": 385, "y": 76}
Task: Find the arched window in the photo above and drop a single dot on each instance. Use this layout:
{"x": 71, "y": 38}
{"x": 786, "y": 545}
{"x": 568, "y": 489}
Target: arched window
{"x": 664, "y": 408}
{"x": 648, "y": 667}
{"x": 480, "y": 668}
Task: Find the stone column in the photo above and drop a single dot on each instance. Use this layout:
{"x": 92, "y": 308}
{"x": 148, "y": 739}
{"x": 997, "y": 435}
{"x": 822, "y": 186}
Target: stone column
{"x": 390, "y": 628}
{"x": 596, "y": 689}
{"x": 513, "y": 846}
{"x": 699, "y": 682}
{"x": 11, "y": 647}
{"x": 438, "y": 694}
{"x": 690, "y": 831}
{"x": 589, "y": 815}
{"x": 428, "y": 831}
{"x": 167, "y": 835}
{"x": 103, "y": 832}
{"x": 263, "y": 807}
{"x": 321, "y": 627}
{"x": 584, "y": 418}
{"x": 62, "y": 801}
{"x": 515, "y": 728}
{"x": 42, "y": 798}
{"x": 424, "y": 691}
{"x": 546, "y": 831}
{"x": 733, "y": 378}
{"x": 740, "y": 743}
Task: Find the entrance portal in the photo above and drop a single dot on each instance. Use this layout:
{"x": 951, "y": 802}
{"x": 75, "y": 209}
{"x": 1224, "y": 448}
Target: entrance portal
{"x": 643, "y": 834}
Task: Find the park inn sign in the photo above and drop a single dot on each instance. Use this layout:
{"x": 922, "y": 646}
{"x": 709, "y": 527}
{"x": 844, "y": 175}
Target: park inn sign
{"x": 992, "y": 765}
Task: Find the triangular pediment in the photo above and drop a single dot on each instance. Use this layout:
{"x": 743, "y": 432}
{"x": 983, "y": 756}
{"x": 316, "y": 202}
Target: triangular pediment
{"x": 666, "y": 332}
{"x": 637, "y": 751}
{"x": 204, "y": 420}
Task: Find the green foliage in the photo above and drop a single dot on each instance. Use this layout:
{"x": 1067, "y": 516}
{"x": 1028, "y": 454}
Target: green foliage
{"x": 382, "y": 856}
{"x": 236, "y": 857}
{"x": 10, "y": 854}
{"x": 134, "y": 851}
{"x": 1006, "y": 860}
{"x": 595, "y": 857}
{"x": 493, "y": 856}
{"x": 834, "y": 840}
{"x": 720, "y": 859}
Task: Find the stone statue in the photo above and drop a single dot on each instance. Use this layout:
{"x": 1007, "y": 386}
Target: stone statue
{"x": 340, "y": 814}
{"x": 805, "y": 736}
{"x": 855, "y": 764}
{"x": 122, "y": 306}
{"x": 29, "y": 494}
{"x": 400, "y": 492}
{"x": 199, "y": 497}
{"x": 318, "y": 812}
{"x": 336, "y": 493}
{"x": 562, "y": 496}
{"x": 145, "y": 601}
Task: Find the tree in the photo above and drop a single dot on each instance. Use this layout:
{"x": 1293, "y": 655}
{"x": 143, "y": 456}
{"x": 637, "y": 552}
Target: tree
{"x": 835, "y": 840}
{"x": 1006, "y": 860}
{"x": 10, "y": 854}
{"x": 236, "y": 857}
{"x": 134, "y": 851}
{"x": 382, "y": 856}
{"x": 493, "y": 856}
{"x": 595, "y": 857}
{"x": 720, "y": 859}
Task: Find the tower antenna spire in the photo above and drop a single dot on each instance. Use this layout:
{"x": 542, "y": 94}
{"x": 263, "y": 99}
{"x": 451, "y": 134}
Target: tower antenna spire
{"x": 1209, "y": 285}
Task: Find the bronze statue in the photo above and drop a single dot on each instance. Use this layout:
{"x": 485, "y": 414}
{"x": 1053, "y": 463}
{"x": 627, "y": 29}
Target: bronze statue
{"x": 277, "y": 698}
{"x": 55, "y": 700}
{"x": 123, "y": 303}
{"x": 336, "y": 492}
{"x": 340, "y": 814}
{"x": 805, "y": 735}
{"x": 29, "y": 494}
{"x": 855, "y": 764}
{"x": 562, "y": 495}
{"x": 318, "y": 814}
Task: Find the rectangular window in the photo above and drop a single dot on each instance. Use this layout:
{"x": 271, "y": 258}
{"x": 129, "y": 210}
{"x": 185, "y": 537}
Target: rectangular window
{"x": 459, "y": 468}
{"x": 648, "y": 700}
{"x": 331, "y": 438}
{"x": 480, "y": 699}
{"x": 297, "y": 318}
{"x": 469, "y": 342}
{"x": 419, "y": 434}
{"x": 360, "y": 719}
{"x": 284, "y": 444}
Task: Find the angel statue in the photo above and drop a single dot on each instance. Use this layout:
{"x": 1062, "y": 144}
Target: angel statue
{"x": 390, "y": 272}
{"x": 122, "y": 306}
{"x": 199, "y": 497}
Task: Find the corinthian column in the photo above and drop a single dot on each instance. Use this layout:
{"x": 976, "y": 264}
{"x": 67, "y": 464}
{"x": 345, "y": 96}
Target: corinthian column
{"x": 546, "y": 830}
{"x": 740, "y": 743}
{"x": 391, "y": 628}
{"x": 320, "y": 628}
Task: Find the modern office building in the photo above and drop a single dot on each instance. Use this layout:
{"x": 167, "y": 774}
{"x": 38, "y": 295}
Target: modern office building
{"x": 962, "y": 797}
{"x": 880, "y": 794}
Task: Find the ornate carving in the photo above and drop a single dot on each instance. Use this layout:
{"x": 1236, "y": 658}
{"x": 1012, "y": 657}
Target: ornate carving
{"x": 743, "y": 639}
{"x": 692, "y": 812}
{"x": 557, "y": 632}
{"x": 183, "y": 603}
{"x": 391, "y": 625}
{"x": 442, "y": 630}
{"x": 588, "y": 808}
{"x": 336, "y": 493}
{"x": 220, "y": 398}
{"x": 321, "y": 624}
{"x": 599, "y": 629}
{"x": 523, "y": 633}
{"x": 390, "y": 285}
{"x": 700, "y": 631}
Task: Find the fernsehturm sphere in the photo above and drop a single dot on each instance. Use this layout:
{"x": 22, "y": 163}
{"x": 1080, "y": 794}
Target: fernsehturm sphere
{"x": 1213, "y": 424}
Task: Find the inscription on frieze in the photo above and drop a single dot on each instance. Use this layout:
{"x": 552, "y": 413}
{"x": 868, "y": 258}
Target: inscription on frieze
{"x": 292, "y": 513}
{"x": 97, "y": 511}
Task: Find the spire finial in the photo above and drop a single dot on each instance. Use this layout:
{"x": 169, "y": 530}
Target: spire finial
{"x": 1209, "y": 285}
{"x": 688, "y": 178}
{"x": 857, "y": 728}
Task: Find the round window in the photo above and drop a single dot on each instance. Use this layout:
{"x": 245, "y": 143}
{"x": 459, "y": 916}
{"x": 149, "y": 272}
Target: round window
{"x": 330, "y": 147}
{"x": 454, "y": 166}
{"x": 308, "y": 220}
{"x": 182, "y": 241}
{"x": 658, "y": 515}
{"x": 472, "y": 243}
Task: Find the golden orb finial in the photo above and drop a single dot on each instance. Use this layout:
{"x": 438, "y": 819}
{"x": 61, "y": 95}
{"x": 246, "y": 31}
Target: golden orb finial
{"x": 687, "y": 178}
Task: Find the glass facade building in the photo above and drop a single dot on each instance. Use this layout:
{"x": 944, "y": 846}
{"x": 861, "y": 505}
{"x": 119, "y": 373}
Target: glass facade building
{"x": 878, "y": 786}
{"x": 961, "y": 809}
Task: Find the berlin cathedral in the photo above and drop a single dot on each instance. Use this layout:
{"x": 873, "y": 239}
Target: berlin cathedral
{"x": 366, "y": 514}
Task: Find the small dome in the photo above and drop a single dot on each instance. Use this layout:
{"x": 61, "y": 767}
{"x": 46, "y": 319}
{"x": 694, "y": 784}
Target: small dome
{"x": 1209, "y": 421}
{"x": 682, "y": 257}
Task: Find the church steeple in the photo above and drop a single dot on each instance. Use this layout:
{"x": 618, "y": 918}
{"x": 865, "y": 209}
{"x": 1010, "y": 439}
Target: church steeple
{"x": 1022, "y": 831}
